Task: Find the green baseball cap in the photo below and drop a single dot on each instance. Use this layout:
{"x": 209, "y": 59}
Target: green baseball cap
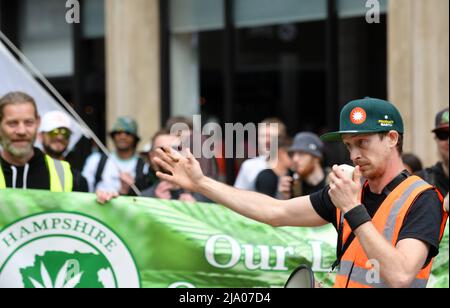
{"x": 127, "y": 125}
{"x": 367, "y": 116}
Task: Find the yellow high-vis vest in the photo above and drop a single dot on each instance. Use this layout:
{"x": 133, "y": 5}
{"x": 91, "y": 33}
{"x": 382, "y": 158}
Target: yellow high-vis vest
{"x": 61, "y": 177}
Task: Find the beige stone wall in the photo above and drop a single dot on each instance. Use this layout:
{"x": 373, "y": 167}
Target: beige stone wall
{"x": 133, "y": 63}
{"x": 418, "y": 63}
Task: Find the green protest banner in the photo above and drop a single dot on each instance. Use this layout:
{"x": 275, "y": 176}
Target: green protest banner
{"x": 51, "y": 240}
{"x": 439, "y": 273}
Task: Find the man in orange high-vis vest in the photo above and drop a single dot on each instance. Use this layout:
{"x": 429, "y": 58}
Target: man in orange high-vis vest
{"x": 389, "y": 226}
{"x": 392, "y": 234}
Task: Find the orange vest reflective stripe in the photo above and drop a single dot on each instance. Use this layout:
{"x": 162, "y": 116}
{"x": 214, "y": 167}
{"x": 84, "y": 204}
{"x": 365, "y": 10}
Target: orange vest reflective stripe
{"x": 355, "y": 269}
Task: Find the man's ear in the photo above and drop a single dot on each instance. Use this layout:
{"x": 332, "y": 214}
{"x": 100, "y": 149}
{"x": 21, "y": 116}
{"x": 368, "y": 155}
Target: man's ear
{"x": 393, "y": 138}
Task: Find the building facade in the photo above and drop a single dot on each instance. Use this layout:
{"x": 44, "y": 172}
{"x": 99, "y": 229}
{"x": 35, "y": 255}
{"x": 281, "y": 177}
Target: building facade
{"x": 241, "y": 60}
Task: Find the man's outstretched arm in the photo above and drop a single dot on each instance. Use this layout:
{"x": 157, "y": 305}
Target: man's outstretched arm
{"x": 185, "y": 171}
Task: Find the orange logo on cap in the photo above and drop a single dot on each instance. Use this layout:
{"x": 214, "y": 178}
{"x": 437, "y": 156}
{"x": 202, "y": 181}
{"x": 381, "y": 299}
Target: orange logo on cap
{"x": 358, "y": 116}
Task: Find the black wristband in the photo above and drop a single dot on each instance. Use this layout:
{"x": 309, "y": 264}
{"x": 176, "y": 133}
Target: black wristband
{"x": 357, "y": 216}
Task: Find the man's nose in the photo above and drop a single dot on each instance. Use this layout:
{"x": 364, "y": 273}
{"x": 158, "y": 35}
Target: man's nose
{"x": 355, "y": 154}
{"x": 21, "y": 129}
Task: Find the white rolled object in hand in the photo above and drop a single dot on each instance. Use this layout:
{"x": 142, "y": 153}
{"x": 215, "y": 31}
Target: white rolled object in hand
{"x": 348, "y": 170}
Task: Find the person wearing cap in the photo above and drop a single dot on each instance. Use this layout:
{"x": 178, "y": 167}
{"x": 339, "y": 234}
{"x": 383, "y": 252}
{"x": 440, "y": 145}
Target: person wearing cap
{"x": 394, "y": 220}
{"x": 54, "y": 135}
{"x": 23, "y": 166}
{"x": 438, "y": 174}
{"x": 116, "y": 174}
{"x": 310, "y": 176}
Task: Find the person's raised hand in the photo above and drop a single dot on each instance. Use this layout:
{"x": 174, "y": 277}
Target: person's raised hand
{"x": 181, "y": 169}
{"x": 344, "y": 192}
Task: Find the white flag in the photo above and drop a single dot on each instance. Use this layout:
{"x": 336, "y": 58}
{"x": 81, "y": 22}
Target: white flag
{"x": 14, "y": 77}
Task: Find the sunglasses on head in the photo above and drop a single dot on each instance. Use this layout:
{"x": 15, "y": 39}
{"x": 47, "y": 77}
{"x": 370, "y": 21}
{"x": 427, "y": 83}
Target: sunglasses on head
{"x": 441, "y": 135}
{"x": 66, "y": 133}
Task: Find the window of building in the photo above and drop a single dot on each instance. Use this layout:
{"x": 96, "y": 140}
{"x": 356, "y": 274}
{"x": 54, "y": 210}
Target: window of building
{"x": 45, "y": 37}
{"x": 299, "y": 60}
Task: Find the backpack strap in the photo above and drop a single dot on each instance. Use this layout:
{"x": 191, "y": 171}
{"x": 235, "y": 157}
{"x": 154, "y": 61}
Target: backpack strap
{"x": 140, "y": 168}
{"x": 100, "y": 169}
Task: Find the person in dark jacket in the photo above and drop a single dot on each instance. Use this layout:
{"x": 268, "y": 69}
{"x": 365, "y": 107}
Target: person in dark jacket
{"x": 22, "y": 166}
{"x": 438, "y": 174}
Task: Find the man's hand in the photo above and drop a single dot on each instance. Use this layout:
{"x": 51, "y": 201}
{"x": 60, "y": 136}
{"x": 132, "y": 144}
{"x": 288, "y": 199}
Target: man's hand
{"x": 285, "y": 187}
{"x": 446, "y": 203}
{"x": 105, "y": 196}
{"x": 186, "y": 197}
{"x": 344, "y": 192}
{"x": 126, "y": 180}
{"x": 184, "y": 170}
{"x": 163, "y": 189}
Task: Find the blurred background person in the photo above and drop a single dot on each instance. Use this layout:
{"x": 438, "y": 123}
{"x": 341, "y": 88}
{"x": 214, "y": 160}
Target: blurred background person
{"x": 186, "y": 122}
{"x": 251, "y": 168}
{"x": 309, "y": 177}
{"x": 123, "y": 168}
{"x": 412, "y": 163}
{"x": 208, "y": 165}
{"x": 267, "y": 180}
{"x": 54, "y": 135}
{"x": 438, "y": 174}
{"x": 162, "y": 189}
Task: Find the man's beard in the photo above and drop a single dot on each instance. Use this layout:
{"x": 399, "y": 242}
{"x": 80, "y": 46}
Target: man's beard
{"x": 445, "y": 162}
{"x": 307, "y": 171}
{"x": 17, "y": 152}
{"x": 48, "y": 150}
{"x": 123, "y": 147}
{"x": 444, "y": 157}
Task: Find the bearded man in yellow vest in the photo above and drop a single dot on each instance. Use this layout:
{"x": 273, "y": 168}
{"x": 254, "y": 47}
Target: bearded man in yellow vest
{"x": 22, "y": 166}
{"x": 389, "y": 223}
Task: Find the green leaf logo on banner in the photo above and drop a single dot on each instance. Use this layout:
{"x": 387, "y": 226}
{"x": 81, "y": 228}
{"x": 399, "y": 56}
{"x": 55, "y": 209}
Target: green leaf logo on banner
{"x": 64, "y": 250}
{"x": 63, "y": 281}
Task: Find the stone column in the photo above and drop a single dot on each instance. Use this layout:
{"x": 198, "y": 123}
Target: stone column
{"x": 133, "y": 63}
{"x": 418, "y": 61}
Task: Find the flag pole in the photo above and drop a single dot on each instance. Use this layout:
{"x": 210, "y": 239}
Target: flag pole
{"x": 63, "y": 101}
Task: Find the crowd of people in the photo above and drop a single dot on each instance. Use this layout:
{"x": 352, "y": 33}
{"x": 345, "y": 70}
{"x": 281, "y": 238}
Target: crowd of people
{"x": 296, "y": 170}
{"x": 292, "y": 188}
